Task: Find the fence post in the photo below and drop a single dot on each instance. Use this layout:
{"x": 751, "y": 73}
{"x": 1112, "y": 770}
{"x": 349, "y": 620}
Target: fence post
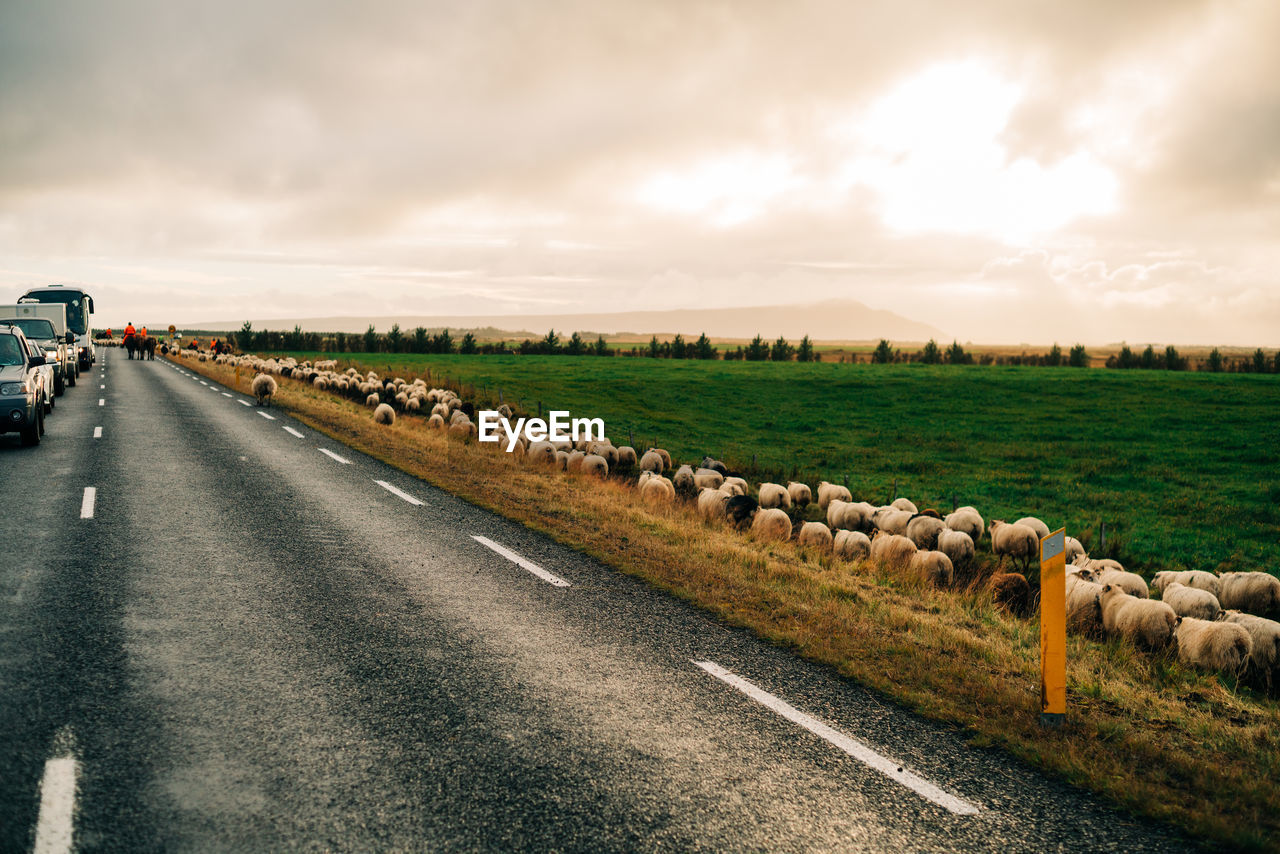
{"x": 1102, "y": 538}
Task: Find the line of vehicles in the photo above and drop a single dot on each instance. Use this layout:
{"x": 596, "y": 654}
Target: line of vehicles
{"x": 46, "y": 342}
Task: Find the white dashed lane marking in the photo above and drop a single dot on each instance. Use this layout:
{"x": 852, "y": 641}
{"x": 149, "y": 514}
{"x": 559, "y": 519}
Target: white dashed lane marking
{"x": 266, "y": 416}
{"x": 851, "y": 746}
{"x": 406, "y": 496}
{"x": 54, "y": 828}
{"x": 86, "y": 503}
{"x": 528, "y": 566}
{"x": 292, "y": 432}
{"x": 97, "y": 432}
{"x": 245, "y": 403}
{"x": 226, "y": 394}
{"x": 329, "y": 453}
{"x": 102, "y": 401}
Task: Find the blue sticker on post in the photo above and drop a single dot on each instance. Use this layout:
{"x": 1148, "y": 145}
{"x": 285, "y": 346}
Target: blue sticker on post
{"x": 1053, "y": 545}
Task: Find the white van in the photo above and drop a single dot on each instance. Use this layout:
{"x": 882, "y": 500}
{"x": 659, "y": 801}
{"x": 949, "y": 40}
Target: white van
{"x": 79, "y": 307}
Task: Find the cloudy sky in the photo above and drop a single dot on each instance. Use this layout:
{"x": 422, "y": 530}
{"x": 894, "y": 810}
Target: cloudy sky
{"x": 1006, "y": 170}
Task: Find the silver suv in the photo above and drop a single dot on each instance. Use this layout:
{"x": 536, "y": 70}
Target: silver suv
{"x": 21, "y": 386}
{"x": 40, "y": 332}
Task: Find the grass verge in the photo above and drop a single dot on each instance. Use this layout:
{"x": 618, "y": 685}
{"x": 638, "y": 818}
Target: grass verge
{"x": 1148, "y": 734}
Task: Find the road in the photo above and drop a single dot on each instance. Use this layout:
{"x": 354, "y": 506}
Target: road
{"x": 249, "y": 643}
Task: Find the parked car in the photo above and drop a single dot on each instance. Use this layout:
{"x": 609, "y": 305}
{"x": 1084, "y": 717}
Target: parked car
{"x": 22, "y": 390}
{"x": 40, "y": 333}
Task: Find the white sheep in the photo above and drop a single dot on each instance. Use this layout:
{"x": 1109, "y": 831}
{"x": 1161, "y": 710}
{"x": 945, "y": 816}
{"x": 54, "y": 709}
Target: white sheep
{"x": 1084, "y": 604}
{"x": 956, "y": 545}
{"x": 771, "y": 524}
{"x": 933, "y": 566}
{"x": 851, "y": 545}
{"x": 1190, "y": 602}
{"x": 264, "y": 388}
{"x": 828, "y": 492}
{"x": 892, "y": 549}
{"x": 924, "y": 530}
{"x": 1015, "y": 541}
{"x": 372, "y": 400}
{"x": 1251, "y": 592}
{"x": 656, "y": 489}
{"x": 1130, "y": 582}
{"x": 540, "y": 453}
{"x": 1145, "y": 621}
{"x": 651, "y": 461}
{"x": 801, "y": 494}
{"x": 562, "y": 461}
{"x": 1041, "y": 529}
{"x": 707, "y": 477}
{"x": 968, "y": 520}
{"x": 735, "y": 485}
{"x": 683, "y": 479}
{"x": 891, "y": 520}
{"x": 1265, "y": 657}
{"x": 712, "y": 503}
{"x": 595, "y": 465}
{"x": 384, "y": 414}
{"x": 573, "y": 459}
{"x": 774, "y": 495}
{"x": 850, "y": 515}
{"x": 904, "y": 504}
{"x": 626, "y": 458}
{"x": 1074, "y": 549}
{"x": 817, "y": 536}
{"x": 1213, "y": 646}
{"x": 1196, "y": 578}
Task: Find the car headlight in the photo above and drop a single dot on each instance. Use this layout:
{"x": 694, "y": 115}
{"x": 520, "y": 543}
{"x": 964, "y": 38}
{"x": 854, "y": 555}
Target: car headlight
{"x": 13, "y": 388}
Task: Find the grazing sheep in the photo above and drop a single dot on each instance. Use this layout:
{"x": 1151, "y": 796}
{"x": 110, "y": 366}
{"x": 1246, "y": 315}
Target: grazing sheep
{"x": 715, "y": 465}
{"x": 735, "y": 486}
{"x": 1264, "y": 660}
{"x": 828, "y": 492}
{"x": 384, "y": 414}
{"x": 651, "y": 461}
{"x": 712, "y": 503}
{"x": 934, "y": 567}
{"x": 572, "y": 459}
{"x": 1147, "y": 622}
{"x": 852, "y": 545}
{"x": 1213, "y": 646}
{"x": 956, "y": 545}
{"x": 414, "y": 404}
{"x": 815, "y": 535}
{"x": 1041, "y": 529}
{"x": 1015, "y": 541}
{"x": 1190, "y": 602}
{"x": 892, "y": 549}
{"x": 1084, "y": 605}
{"x": 801, "y": 494}
{"x": 1010, "y": 591}
{"x": 850, "y": 515}
{"x": 1080, "y": 572}
{"x": 436, "y": 422}
{"x": 1129, "y": 582}
{"x": 771, "y": 524}
{"x": 562, "y": 461}
{"x": 683, "y": 479}
{"x": 708, "y": 477}
{"x": 740, "y": 510}
{"x": 1196, "y": 578}
{"x": 891, "y": 520}
{"x": 1251, "y": 592}
{"x": 606, "y": 450}
{"x": 464, "y": 431}
{"x": 626, "y": 459}
{"x": 904, "y": 504}
{"x": 541, "y": 453}
{"x": 319, "y": 384}
{"x": 656, "y": 489}
{"x": 923, "y": 531}
{"x": 264, "y": 388}
{"x": 595, "y": 465}
{"x": 774, "y": 495}
{"x": 372, "y": 399}
{"x": 666, "y": 458}
{"x": 967, "y": 520}
{"x": 1075, "y": 549}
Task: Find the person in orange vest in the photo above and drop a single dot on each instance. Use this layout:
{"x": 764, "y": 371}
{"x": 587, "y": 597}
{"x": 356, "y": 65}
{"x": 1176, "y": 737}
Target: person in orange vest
{"x": 129, "y": 330}
{"x": 130, "y": 341}
{"x": 144, "y": 332}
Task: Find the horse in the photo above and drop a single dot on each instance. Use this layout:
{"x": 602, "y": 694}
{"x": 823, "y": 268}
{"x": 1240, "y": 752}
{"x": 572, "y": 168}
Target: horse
{"x": 131, "y": 345}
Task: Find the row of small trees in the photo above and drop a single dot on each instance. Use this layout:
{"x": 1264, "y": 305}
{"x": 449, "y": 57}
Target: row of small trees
{"x": 932, "y": 354}
{"x": 1170, "y": 360}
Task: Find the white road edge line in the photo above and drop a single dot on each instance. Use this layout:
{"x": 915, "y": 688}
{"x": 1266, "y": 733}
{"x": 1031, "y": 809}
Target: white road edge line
{"x": 329, "y": 453}
{"x": 854, "y": 748}
{"x": 292, "y": 432}
{"x": 226, "y": 394}
{"x": 553, "y": 580}
{"x": 57, "y": 806}
{"x": 266, "y": 416}
{"x": 406, "y": 496}
{"x": 244, "y": 403}
{"x": 86, "y": 503}
{"x": 97, "y": 432}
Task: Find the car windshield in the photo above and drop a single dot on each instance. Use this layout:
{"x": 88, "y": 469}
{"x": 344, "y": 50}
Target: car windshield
{"x": 10, "y": 351}
{"x": 33, "y": 327}
{"x": 75, "y": 306}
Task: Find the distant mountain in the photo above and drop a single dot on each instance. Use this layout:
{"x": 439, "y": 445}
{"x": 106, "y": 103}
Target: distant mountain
{"x": 832, "y": 320}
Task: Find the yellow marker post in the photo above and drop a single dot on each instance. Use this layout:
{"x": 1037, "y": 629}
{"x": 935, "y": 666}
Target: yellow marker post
{"x": 1053, "y": 629}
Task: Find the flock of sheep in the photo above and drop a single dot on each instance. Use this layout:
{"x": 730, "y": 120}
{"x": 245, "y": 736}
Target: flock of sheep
{"x": 1214, "y": 622}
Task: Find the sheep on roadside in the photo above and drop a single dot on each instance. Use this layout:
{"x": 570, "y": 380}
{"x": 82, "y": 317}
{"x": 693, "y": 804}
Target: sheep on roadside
{"x": 1251, "y": 592}
{"x": 562, "y": 461}
{"x": 715, "y": 465}
{"x": 595, "y": 465}
{"x": 1010, "y": 591}
{"x": 1196, "y": 578}
{"x": 651, "y": 461}
{"x": 934, "y": 567}
{"x": 666, "y": 458}
{"x": 1084, "y": 605}
{"x": 851, "y": 545}
{"x": 891, "y": 520}
{"x": 656, "y": 489}
{"x": 1147, "y": 622}
{"x": 1080, "y": 572}
{"x": 968, "y": 520}
{"x": 1129, "y": 582}
{"x": 904, "y": 504}
{"x": 815, "y": 535}
{"x": 1074, "y": 549}
{"x": 1014, "y": 541}
{"x": 740, "y": 510}
{"x": 957, "y": 546}
{"x": 372, "y": 400}
{"x": 801, "y": 494}
{"x": 384, "y": 414}
{"x": 436, "y": 422}
{"x": 707, "y": 477}
{"x": 850, "y": 515}
{"x": 540, "y": 453}
{"x": 1190, "y": 602}
{"x": 892, "y": 550}
{"x": 771, "y": 524}
{"x": 712, "y": 503}
{"x": 735, "y": 486}
{"x": 1264, "y": 660}
{"x": 923, "y": 531}
{"x": 464, "y": 431}
{"x": 683, "y": 479}
{"x": 1212, "y": 645}
{"x": 828, "y": 492}
{"x": 774, "y": 495}
{"x": 1041, "y": 529}
{"x": 626, "y": 458}
{"x": 264, "y": 388}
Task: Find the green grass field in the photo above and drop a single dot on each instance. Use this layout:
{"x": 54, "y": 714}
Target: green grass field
{"x": 1184, "y": 468}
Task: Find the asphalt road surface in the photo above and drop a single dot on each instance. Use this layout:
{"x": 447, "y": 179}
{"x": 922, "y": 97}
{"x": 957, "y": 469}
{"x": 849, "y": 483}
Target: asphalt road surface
{"x": 247, "y": 639}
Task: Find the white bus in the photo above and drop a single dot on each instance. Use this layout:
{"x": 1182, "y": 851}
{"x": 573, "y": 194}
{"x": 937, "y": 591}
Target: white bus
{"x": 79, "y": 316}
